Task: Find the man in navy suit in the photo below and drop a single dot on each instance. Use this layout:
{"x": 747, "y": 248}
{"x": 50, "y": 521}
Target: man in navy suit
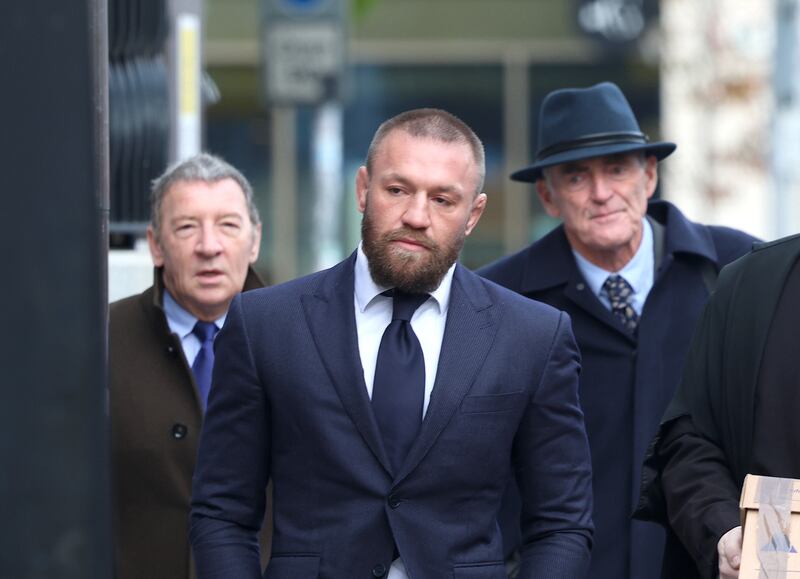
{"x": 389, "y": 459}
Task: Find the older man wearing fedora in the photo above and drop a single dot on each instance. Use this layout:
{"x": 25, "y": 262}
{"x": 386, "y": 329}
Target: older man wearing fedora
{"x": 634, "y": 275}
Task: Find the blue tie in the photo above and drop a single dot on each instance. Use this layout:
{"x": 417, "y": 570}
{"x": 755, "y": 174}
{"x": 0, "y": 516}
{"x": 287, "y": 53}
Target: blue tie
{"x": 398, "y": 390}
{"x": 204, "y": 362}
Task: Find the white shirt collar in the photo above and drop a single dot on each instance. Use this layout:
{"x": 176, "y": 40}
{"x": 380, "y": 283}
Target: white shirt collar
{"x": 367, "y": 290}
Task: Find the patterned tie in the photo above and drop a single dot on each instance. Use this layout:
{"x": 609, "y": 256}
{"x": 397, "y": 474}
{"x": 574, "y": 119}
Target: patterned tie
{"x": 620, "y": 294}
{"x": 398, "y": 390}
{"x": 204, "y": 362}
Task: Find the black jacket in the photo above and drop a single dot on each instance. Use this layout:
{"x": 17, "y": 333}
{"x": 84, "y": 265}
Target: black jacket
{"x": 711, "y": 417}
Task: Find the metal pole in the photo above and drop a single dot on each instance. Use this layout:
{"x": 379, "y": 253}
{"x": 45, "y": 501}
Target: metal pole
{"x": 786, "y": 121}
{"x": 186, "y": 69}
{"x": 516, "y": 135}
{"x": 284, "y": 193}
{"x": 328, "y": 160}
{"x": 54, "y": 452}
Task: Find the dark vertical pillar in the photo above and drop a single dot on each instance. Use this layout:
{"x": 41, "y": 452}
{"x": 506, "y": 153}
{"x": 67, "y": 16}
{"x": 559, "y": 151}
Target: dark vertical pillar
{"x": 54, "y": 481}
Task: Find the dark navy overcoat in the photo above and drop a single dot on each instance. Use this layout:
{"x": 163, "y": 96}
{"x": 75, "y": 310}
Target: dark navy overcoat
{"x": 627, "y": 380}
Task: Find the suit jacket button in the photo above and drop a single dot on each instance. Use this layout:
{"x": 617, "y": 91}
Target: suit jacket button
{"x": 179, "y": 431}
{"x": 379, "y": 570}
{"x": 394, "y": 502}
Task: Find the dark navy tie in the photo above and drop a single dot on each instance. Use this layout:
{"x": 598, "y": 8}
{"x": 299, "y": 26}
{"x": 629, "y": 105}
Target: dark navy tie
{"x": 620, "y": 294}
{"x": 204, "y": 362}
{"x": 398, "y": 390}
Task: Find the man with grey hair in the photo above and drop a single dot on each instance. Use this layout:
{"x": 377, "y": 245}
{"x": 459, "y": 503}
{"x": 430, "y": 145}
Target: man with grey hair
{"x": 204, "y": 234}
{"x": 390, "y": 398}
{"x": 633, "y": 274}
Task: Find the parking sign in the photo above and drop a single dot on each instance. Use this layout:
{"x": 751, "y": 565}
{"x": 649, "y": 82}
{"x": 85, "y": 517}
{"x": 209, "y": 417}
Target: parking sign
{"x": 303, "y": 50}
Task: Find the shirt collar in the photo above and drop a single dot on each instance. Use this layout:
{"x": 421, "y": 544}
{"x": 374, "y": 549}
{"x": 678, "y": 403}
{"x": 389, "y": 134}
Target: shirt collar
{"x": 180, "y": 321}
{"x": 636, "y": 272}
{"x": 367, "y": 290}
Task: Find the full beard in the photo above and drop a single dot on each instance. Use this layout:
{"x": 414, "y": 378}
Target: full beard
{"x": 410, "y": 271}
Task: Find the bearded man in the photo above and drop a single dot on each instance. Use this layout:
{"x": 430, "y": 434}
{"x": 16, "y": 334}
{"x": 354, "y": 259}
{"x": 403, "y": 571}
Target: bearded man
{"x": 390, "y": 398}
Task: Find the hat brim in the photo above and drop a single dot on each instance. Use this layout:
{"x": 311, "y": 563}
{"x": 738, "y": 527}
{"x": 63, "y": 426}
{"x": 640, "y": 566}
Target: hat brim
{"x": 533, "y": 173}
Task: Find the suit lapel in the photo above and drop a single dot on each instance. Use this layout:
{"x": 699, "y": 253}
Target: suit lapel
{"x": 330, "y": 315}
{"x": 468, "y": 335}
{"x": 579, "y": 293}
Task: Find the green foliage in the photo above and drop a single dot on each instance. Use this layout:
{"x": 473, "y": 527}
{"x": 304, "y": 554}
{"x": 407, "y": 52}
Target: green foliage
{"x": 361, "y": 7}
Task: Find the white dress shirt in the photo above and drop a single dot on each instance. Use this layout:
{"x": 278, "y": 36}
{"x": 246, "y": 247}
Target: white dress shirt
{"x": 639, "y": 272}
{"x": 373, "y": 315}
{"x": 182, "y": 323}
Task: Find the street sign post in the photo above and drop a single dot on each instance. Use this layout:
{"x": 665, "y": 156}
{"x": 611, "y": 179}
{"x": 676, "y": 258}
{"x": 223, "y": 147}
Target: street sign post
{"x": 304, "y": 50}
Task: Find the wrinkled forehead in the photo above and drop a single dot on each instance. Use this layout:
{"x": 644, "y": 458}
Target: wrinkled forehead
{"x": 224, "y": 196}
{"x": 403, "y": 150}
{"x": 226, "y": 188}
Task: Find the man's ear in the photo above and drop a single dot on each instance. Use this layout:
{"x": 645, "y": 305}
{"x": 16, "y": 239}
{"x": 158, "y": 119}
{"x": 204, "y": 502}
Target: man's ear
{"x": 651, "y": 175}
{"x": 256, "y": 243}
{"x": 546, "y": 197}
{"x": 155, "y": 249}
{"x": 478, "y": 205}
{"x": 362, "y": 185}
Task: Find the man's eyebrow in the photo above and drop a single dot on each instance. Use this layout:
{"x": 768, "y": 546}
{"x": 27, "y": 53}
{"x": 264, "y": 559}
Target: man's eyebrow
{"x": 393, "y": 177}
{"x": 397, "y": 177}
{"x": 572, "y": 167}
{"x": 183, "y": 218}
{"x": 447, "y": 189}
{"x": 186, "y": 217}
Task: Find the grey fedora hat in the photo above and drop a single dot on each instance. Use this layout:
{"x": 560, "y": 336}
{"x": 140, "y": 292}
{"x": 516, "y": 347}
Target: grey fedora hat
{"x": 580, "y": 123}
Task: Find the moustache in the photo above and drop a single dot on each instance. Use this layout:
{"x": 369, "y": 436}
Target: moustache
{"x": 410, "y": 234}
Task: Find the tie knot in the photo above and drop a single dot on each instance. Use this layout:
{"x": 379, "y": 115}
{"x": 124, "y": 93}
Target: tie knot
{"x": 405, "y": 304}
{"x": 205, "y": 331}
{"x": 618, "y": 288}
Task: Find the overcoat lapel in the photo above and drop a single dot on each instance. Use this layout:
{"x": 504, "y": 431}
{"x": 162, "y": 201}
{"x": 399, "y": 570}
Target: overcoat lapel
{"x": 550, "y": 264}
{"x": 472, "y": 321}
{"x": 330, "y": 314}
{"x": 579, "y": 293}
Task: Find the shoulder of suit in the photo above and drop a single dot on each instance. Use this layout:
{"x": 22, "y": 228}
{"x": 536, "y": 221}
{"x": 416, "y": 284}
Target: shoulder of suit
{"x": 136, "y": 325}
{"x": 510, "y": 271}
{"x": 789, "y": 243}
{"x": 496, "y": 267}
{"x": 516, "y": 301}
{"x": 764, "y": 254}
{"x": 522, "y": 316}
{"x": 295, "y": 287}
{"x": 729, "y": 237}
{"x": 131, "y": 306}
{"x": 123, "y": 304}
{"x": 731, "y": 244}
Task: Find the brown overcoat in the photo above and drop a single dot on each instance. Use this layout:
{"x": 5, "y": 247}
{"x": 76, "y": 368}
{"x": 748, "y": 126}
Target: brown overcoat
{"x": 155, "y": 425}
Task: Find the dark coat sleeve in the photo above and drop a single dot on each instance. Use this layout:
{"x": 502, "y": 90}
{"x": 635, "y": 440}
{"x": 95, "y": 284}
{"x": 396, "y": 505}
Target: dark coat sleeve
{"x": 228, "y": 499}
{"x": 689, "y": 484}
{"x": 702, "y": 500}
{"x": 554, "y": 470}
